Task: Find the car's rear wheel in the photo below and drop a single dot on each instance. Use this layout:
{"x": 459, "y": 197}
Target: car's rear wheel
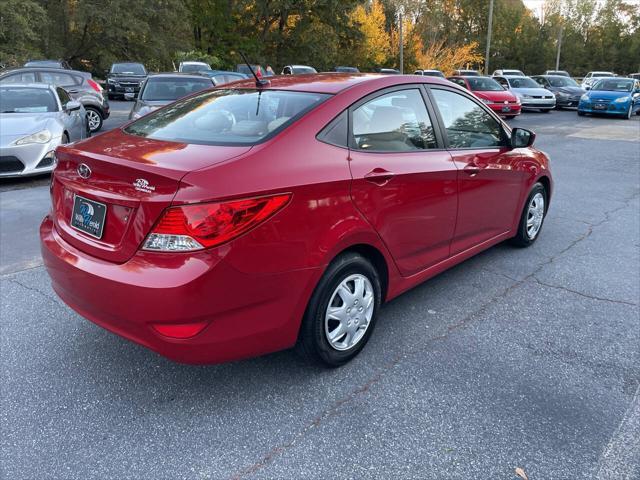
{"x": 341, "y": 314}
{"x": 532, "y": 217}
{"x": 94, "y": 119}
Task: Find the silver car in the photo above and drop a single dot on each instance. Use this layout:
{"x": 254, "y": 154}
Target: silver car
{"x": 34, "y": 120}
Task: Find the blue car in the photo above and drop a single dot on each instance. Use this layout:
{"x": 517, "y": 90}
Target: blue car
{"x": 612, "y": 96}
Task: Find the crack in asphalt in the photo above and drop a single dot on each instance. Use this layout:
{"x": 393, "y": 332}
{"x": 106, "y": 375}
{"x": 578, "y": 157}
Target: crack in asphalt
{"x": 33, "y": 289}
{"x": 585, "y": 295}
{"x": 277, "y": 450}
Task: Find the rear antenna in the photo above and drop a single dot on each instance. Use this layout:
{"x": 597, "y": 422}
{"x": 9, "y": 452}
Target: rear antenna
{"x": 259, "y": 82}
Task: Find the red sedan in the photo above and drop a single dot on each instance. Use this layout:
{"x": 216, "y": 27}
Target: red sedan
{"x": 253, "y": 218}
{"x": 501, "y": 101}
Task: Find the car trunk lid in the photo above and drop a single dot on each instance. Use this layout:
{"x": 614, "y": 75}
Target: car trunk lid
{"x": 135, "y": 178}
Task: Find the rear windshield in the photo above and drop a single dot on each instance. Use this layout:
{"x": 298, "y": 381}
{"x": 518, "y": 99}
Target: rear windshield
{"x": 173, "y": 88}
{"x": 226, "y": 117}
{"x": 195, "y": 67}
{"x": 562, "y": 82}
{"x": 128, "y": 69}
{"x": 27, "y": 100}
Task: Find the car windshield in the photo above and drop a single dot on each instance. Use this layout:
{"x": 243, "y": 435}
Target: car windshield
{"x": 195, "y": 67}
{"x": 172, "y": 88}
{"x": 43, "y": 63}
{"x": 512, "y": 72}
{"x": 602, "y": 74}
{"x": 433, "y": 73}
{"x": 522, "y": 82}
{"x": 302, "y": 70}
{"x": 27, "y": 100}
{"x": 484, "y": 84}
{"x": 128, "y": 69}
{"x": 226, "y": 117}
{"x": 614, "y": 85}
{"x": 562, "y": 82}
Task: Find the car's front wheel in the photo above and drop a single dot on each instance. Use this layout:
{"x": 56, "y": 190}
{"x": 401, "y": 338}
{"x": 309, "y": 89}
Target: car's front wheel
{"x": 94, "y": 119}
{"x": 532, "y": 217}
{"x": 341, "y": 314}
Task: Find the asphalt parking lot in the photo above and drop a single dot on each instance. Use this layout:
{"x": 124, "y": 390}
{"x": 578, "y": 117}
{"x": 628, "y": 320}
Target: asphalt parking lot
{"x": 517, "y": 358}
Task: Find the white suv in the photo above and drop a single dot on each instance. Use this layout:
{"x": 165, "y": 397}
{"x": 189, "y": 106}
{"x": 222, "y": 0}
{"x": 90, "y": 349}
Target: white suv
{"x": 591, "y": 76}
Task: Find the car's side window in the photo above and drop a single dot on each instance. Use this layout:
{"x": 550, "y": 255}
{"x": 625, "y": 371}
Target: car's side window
{"x": 466, "y": 123}
{"x": 25, "y": 77}
{"x": 64, "y": 96}
{"x": 58, "y": 78}
{"x": 394, "y": 122}
{"x": 460, "y": 82}
{"x": 502, "y": 81}
{"x": 336, "y": 133}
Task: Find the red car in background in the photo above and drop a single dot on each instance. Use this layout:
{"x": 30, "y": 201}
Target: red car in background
{"x": 491, "y": 93}
{"x": 248, "y": 219}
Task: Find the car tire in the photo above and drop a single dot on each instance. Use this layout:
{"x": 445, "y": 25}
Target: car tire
{"x": 581, "y": 114}
{"x": 535, "y": 209}
{"x": 545, "y": 110}
{"x": 109, "y": 96}
{"x": 333, "y": 340}
{"x": 94, "y": 119}
{"x": 510, "y": 117}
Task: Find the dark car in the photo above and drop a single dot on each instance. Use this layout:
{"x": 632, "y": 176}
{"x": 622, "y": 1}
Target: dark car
{"x": 389, "y": 71}
{"x": 220, "y": 77}
{"x": 559, "y": 73}
{"x": 244, "y": 68}
{"x": 566, "y": 90}
{"x": 346, "y": 70}
{"x": 163, "y": 88}
{"x": 80, "y": 86}
{"x": 48, "y": 64}
{"x": 125, "y": 77}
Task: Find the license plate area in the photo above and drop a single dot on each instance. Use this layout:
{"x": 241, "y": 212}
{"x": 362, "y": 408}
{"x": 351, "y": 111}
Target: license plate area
{"x": 600, "y": 107}
{"x": 88, "y": 216}
{"x": 506, "y": 109}
{"x": 128, "y": 89}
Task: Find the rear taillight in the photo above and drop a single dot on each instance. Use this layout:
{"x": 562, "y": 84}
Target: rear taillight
{"x": 195, "y": 227}
{"x": 95, "y": 85}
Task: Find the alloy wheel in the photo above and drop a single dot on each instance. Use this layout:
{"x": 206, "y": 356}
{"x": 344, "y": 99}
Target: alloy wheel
{"x": 93, "y": 119}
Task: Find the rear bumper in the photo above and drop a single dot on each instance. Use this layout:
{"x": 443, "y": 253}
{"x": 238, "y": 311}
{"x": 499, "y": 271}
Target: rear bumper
{"x": 246, "y": 315}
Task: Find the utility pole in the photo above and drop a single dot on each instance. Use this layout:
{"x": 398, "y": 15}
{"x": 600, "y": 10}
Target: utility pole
{"x": 486, "y": 55}
{"x": 401, "y": 44}
{"x": 559, "y": 47}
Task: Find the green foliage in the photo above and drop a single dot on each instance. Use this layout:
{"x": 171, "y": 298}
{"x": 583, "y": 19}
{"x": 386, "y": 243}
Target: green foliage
{"x": 91, "y": 34}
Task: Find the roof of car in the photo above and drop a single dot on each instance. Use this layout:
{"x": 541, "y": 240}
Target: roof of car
{"x": 46, "y": 69}
{"x": 333, "y": 83}
{"x": 176, "y": 74}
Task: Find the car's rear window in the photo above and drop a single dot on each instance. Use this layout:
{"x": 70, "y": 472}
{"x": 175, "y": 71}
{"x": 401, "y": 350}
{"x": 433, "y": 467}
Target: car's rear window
{"x": 226, "y": 117}
{"x": 172, "y": 88}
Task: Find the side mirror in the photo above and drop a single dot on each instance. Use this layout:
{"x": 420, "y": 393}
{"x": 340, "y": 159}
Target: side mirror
{"x": 71, "y": 106}
{"x": 129, "y": 96}
{"x": 522, "y": 138}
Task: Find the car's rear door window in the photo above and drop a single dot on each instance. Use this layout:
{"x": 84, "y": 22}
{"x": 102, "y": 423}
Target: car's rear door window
{"x": 226, "y": 117}
{"x": 394, "y": 122}
{"x": 466, "y": 123}
{"x": 58, "y": 78}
